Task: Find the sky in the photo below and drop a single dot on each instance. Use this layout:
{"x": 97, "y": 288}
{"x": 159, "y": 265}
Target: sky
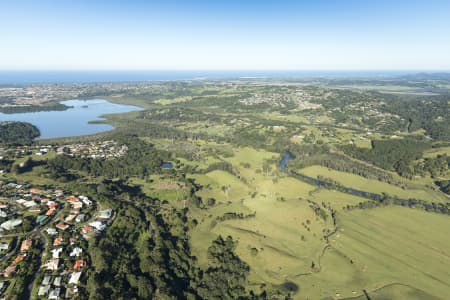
{"x": 224, "y": 35}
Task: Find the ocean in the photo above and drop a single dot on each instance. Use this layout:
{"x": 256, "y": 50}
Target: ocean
{"x": 28, "y": 77}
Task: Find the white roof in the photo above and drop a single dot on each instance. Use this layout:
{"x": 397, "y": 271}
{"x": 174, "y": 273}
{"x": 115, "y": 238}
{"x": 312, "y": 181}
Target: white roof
{"x": 76, "y": 251}
{"x": 56, "y": 252}
{"x": 43, "y": 290}
{"x": 51, "y": 231}
{"x": 10, "y": 224}
{"x": 54, "y": 294}
{"x": 75, "y": 277}
{"x": 98, "y": 225}
{"x": 46, "y": 280}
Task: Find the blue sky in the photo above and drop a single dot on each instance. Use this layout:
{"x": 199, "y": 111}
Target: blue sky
{"x": 225, "y": 35}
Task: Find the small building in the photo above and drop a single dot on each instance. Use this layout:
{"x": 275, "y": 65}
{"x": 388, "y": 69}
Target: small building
{"x": 104, "y": 214}
{"x": 71, "y": 291}
{"x": 58, "y": 241}
{"x": 54, "y": 294}
{"x": 57, "y": 281}
{"x": 70, "y": 218}
{"x": 87, "y": 229}
{"x": 62, "y": 226}
{"x": 79, "y": 264}
{"x": 9, "y": 271}
{"x": 50, "y": 212}
{"x": 80, "y": 218}
{"x": 98, "y": 225}
{"x": 52, "y": 231}
{"x": 76, "y": 252}
{"x": 35, "y": 191}
{"x": 46, "y": 280}
{"x": 56, "y": 252}
{"x": 19, "y": 258}
{"x": 85, "y": 200}
{"x": 52, "y": 264}
{"x": 26, "y": 245}
{"x": 11, "y": 224}
{"x": 41, "y": 219}
{"x": 43, "y": 290}
{"x": 29, "y": 204}
{"x": 74, "y": 278}
{"x": 4, "y": 246}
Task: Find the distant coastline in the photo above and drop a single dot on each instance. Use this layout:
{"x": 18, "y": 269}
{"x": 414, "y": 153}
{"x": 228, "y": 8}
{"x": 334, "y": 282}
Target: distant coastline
{"x": 17, "y": 77}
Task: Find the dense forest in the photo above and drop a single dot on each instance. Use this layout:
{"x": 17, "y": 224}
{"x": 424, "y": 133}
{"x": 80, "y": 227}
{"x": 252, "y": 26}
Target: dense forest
{"x": 394, "y": 154}
{"x": 51, "y": 106}
{"x": 17, "y": 133}
{"x": 429, "y": 113}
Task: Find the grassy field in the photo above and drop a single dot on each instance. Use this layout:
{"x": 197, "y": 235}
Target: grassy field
{"x": 337, "y": 199}
{"x": 163, "y": 188}
{"x": 398, "y": 291}
{"x": 282, "y": 238}
{"x": 173, "y": 101}
{"x": 374, "y": 248}
{"x": 382, "y": 87}
{"x": 437, "y": 151}
{"x": 370, "y": 185}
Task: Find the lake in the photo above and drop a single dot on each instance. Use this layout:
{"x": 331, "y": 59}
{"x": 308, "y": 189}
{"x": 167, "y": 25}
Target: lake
{"x": 74, "y": 121}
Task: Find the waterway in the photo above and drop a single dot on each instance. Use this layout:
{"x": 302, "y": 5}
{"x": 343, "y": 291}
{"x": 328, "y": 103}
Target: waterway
{"x": 74, "y": 121}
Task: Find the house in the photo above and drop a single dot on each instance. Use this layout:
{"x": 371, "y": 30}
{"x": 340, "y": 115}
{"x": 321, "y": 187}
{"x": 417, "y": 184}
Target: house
{"x": 29, "y": 204}
{"x": 4, "y": 246}
{"x": 71, "y": 291}
{"x": 43, "y": 290}
{"x": 62, "y": 226}
{"x": 21, "y": 201}
{"x": 26, "y": 245}
{"x": 45, "y": 200}
{"x": 98, "y": 225}
{"x": 46, "y": 280}
{"x": 41, "y": 219}
{"x": 87, "y": 229}
{"x": 52, "y": 204}
{"x": 105, "y": 214}
{"x": 85, "y": 200}
{"x": 76, "y": 251}
{"x": 11, "y": 224}
{"x": 58, "y": 241}
{"x": 79, "y": 264}
{"x": 57, "y": 281}
{"x": 56, "y": 252}
{"x": 54, "y": 294}
{"x": 35, "y": 191}
{"x": 80, "y": 218}
{"x": 9, "y": 271}
{"x": 70, "y": 218}
{"x": 50, "y": 212}
{"x": 74, "y": 277}
{"x": 19, "y": 258}
{"x": 51, "y": 231}
{"x": 52, "y": 264}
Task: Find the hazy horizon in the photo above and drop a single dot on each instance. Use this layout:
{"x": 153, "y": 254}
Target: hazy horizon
{"x": 87, "y": 76}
